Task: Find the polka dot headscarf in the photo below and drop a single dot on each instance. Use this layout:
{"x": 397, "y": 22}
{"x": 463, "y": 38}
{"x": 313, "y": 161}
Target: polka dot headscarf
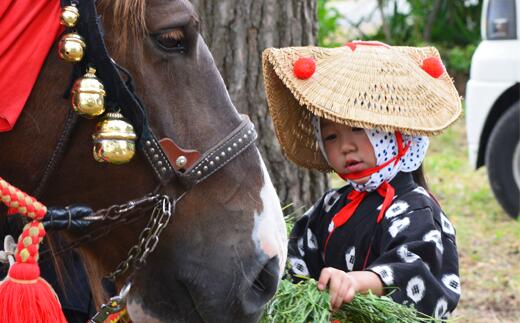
{"x": 385, "y": 148}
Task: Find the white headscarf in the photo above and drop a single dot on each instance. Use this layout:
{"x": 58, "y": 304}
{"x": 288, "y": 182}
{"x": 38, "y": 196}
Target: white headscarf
{"x": 385, "y": 148}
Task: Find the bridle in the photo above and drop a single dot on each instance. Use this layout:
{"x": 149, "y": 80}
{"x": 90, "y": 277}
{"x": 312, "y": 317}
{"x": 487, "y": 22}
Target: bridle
{"x": 169, "y": 163}
{"x": 167, "y": 160}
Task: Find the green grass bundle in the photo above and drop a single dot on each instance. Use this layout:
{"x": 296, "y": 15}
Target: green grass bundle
{"x": 303, "y": 302}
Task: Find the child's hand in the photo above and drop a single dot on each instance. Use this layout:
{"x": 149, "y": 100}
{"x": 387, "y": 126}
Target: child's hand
{"x": 342, "y": 286}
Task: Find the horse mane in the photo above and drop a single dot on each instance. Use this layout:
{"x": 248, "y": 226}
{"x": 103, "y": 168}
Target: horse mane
{"x": 128, "y": 22}
{"x": 128, "y": 19}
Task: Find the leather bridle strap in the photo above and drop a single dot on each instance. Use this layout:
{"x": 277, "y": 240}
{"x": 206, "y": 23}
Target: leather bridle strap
{"x": 57, "y": 154}
{"x": 131, "y": 107}
{"x": 89, "y": 26}
{"x": 221, "y": 154}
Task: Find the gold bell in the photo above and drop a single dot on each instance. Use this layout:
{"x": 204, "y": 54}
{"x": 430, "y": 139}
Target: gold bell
{"x": 69, "y": 16}
{"x": 114, "y": 140}
{"x": 71, "y": 47}
{"x": 88, "y": 95}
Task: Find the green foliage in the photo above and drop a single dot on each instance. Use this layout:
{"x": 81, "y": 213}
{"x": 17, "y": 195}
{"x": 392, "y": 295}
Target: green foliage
{"x": 327, "y": 24}
{"x": 291, "y": 217}
{"x": 453, "y": 24}
{"x": 303, "y": 302}
{"x": 458, "y": 59}
{"x": 454, "y": 29}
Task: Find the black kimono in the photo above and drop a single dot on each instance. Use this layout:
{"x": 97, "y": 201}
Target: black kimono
{"x": 412, "y": 249}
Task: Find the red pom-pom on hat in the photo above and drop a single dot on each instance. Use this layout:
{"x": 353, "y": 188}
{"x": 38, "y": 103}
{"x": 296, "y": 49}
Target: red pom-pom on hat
{"x": 304, "y": 68}
{"x": 433, "y": 66}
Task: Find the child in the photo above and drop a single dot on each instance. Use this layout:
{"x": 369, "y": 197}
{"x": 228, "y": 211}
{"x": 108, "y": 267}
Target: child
{"x": 364, "y": 111}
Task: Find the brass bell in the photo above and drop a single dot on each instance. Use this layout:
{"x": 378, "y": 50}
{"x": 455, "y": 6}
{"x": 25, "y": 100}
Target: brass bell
{"x": 88, "y": 95}
{"x": 71, "y": 47}
{"x": 69, "y": 16}
{"x": 114, "y": 139}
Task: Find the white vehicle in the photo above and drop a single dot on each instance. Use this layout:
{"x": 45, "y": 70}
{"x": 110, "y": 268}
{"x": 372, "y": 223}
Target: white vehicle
{"x": 493, "y": 101}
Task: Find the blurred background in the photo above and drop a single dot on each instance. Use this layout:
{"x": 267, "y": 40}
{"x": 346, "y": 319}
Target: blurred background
{"x": 473, "y": 168}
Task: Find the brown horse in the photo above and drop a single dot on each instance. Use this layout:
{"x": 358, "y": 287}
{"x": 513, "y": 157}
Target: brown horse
{"x": 221, "y": 257}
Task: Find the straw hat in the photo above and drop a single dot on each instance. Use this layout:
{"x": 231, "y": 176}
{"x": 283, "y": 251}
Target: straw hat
{"x": 357, "y": 85}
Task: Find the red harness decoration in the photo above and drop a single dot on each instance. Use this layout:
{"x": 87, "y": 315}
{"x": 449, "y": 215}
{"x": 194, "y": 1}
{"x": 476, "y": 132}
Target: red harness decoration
{"x": 27, "y": 31}
{"x": 356, "y": 197}
{"x": 24, "y": 295}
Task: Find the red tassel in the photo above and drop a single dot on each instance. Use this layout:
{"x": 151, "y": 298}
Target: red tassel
{"x": 27, "y": 298}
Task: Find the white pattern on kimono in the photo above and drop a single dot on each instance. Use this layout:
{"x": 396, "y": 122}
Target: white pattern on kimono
{"x": 447, "y": 227}
{"x": 397, "y": 208}
{"x": 452, "y": 281}
{"x": 385, "y": 272}
{"x": 422, "y": 191}
{"x": 398, "y": 226}
{"x": 331, "y": 226}
{"x": 312, "y": 242}
{"x": 406, "y": 255}
{"x": 381, "y": 205}
{"x": 350, "y": 258}
{"x": 298, "y": 266}
{"x": 441, "y": 308}
{"x": 330, "y": 199}
{"x": 435, "y": 236}
{"x": 300, "y": 247}
{"x": 415, "y": 289}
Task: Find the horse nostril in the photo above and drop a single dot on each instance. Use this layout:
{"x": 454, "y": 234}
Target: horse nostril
{"x": 262, "y": 288}
{"x": 267, "y": 280}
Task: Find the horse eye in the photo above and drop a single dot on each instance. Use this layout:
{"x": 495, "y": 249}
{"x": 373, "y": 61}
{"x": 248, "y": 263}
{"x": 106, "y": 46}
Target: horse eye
{"x": 171, "y": 41}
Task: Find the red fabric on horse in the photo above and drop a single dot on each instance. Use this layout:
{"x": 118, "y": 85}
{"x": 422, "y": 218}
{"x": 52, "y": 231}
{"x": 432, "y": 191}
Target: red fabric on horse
{"x": 27, "y": 32}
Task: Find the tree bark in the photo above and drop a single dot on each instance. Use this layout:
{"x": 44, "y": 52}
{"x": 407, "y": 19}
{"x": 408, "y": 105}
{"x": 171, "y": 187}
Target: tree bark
{"x": 427, "y": 34}
{"x": 237, "y": 31}
{"x": 384, "y": 19}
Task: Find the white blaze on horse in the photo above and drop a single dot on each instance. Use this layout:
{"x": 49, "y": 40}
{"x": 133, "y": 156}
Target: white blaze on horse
{"x": 221, "y": 256}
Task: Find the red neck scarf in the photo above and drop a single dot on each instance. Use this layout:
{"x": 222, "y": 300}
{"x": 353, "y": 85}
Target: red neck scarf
{"x": 27, "y": 31}
{"x": 356, "y": 197}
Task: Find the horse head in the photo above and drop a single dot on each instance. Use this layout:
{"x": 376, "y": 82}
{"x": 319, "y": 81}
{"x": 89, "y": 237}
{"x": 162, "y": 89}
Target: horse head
{"x": 222, "y": 254}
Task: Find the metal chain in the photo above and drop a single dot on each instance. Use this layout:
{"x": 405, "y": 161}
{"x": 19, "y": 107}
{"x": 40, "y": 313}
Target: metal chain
{"x": 163, "y": 209}
{"x": 118, "y": 214}
{"x": 149, "y": 237}
{"x": 116, "y": 211}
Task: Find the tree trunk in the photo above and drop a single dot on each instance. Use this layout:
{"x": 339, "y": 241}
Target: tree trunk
{"x": 237, "y": 31}
{"x": 384, "y": 19}
{"x": 427, "y": 34}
